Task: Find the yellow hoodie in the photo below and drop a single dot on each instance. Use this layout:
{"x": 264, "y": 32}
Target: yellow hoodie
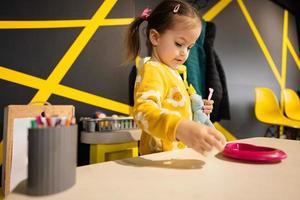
{"x": 160, "y": 103}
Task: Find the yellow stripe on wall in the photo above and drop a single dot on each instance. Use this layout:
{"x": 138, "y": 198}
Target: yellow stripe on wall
{"x": 61, "y": 23}
{"x": 293, "y": 52}
{"x": 20, "y": 78}
{"x": 43, "y": 24}
{"x": 226, "y": 133}
{"x": 283, "y": 56}
{"x": 91, "y": 99}
{"x": 68, "y": 59}
{"x": 260, "y": 41}
{"x": 64, "y": 91}
{"x": 215, "y": 10}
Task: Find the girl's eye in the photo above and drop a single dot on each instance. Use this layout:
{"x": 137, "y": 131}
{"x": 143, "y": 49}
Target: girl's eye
{"x": 177, "y": 44}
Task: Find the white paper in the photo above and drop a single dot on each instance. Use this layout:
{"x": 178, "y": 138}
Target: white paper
{"x": 19, "y": 162}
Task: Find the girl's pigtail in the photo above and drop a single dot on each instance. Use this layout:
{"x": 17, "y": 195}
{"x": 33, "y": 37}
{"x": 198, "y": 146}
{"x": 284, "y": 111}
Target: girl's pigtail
{"x": 133, "y": 39}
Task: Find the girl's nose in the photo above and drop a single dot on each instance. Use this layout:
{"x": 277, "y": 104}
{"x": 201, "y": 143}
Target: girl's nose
{"x": 183, "y": 52}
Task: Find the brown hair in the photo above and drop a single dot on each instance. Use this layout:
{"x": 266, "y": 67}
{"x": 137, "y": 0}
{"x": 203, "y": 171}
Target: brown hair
{"x": 162, "y": 18}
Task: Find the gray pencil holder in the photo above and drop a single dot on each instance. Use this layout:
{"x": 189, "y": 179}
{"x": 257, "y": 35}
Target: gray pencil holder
{"x": 52, "y": 156}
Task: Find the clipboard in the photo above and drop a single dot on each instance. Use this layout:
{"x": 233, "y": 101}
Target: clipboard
{"x": 12, "y": 112}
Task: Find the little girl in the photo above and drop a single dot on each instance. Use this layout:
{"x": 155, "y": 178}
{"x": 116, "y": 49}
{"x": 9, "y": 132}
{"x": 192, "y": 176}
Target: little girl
{"x": 162, "y": 107}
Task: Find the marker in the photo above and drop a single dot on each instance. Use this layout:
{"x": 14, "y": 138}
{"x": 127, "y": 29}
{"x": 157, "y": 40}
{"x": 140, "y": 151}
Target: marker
{"x": 57, "y": 122}
{"x": 73, "y": 121}
{"x": 33, "y": 123}
{"x": 53, "y": 121}
{"x": 49, "y": 122}
{"x": 68, "y": 122}
{"x": 39, "y": 121}
{"x": 211, "y": 91}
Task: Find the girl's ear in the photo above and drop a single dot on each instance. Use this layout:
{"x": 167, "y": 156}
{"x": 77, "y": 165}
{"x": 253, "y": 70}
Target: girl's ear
{"x": 153, "y": 37}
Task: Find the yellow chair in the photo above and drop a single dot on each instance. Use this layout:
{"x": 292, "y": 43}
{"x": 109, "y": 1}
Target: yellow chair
{"x": 267, "y": 110}
{"x": 291, "y": 104}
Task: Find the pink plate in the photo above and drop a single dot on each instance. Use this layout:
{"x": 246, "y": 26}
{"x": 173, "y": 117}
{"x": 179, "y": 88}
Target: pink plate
{"x": 249, "y": 152}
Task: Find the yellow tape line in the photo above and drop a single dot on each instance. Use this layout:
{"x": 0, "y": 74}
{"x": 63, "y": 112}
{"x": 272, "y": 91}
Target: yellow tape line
{"x": 20, "y": 78}
{"x": 260, "y": 41}
{"x": 215, "y": 10}
{"x": 61, "y": 23}
{"x": 64, "y": 91}
{"x": 68, "y": 59}
{"x": 226, "y": 133}
{"x": 293, "y": 52}
{"x": 283, "y": 56}
{"x": 91, "y": 99}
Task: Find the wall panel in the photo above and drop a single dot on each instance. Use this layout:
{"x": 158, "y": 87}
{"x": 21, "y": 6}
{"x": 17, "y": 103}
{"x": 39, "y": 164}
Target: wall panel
{"x": 39, "y": 37}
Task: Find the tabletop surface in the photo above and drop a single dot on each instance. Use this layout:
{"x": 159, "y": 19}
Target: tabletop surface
{"x": 185, "y": 174}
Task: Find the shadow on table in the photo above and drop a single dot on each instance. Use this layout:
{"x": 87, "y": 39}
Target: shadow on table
{"x": 171, "y": 163}
{"x": 21, "y": 187}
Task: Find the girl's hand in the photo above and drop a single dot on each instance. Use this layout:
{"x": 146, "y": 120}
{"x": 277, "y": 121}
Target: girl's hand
{"x": 199, "y": 136}
{"x": 208, "y": 106}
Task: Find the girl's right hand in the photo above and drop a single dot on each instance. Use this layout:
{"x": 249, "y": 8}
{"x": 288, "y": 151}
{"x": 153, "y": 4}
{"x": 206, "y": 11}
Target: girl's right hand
{"x": 199, "y": 136}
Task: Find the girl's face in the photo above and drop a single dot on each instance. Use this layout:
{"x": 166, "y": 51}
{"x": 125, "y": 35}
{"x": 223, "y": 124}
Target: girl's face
{"x": 173, "y": 46}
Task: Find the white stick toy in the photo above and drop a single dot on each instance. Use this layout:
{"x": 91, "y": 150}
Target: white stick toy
{"x": 211, "y": 91}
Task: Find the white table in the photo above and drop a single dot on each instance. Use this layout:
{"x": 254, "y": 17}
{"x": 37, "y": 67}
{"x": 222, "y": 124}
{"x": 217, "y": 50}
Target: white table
{"x": 185, "y": 174}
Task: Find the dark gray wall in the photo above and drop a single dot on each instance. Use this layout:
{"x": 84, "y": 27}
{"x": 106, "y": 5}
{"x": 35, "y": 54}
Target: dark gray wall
{"x": 99, "y": 69}
{"x": 246, "y": 66}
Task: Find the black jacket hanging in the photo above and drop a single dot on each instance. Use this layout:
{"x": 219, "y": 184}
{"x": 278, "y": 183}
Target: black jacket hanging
{"x": 215, "y": 76}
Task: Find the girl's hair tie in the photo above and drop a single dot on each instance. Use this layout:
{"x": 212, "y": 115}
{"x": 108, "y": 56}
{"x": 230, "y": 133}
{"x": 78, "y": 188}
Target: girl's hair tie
{"x": 176, "y": 8}
{"x": 146, "y": 13}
